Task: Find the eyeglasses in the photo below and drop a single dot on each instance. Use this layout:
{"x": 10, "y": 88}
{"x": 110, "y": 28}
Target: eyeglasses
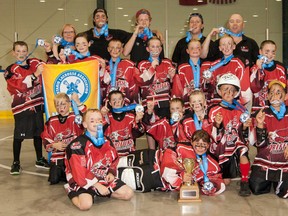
{"x": 68, "y": 32}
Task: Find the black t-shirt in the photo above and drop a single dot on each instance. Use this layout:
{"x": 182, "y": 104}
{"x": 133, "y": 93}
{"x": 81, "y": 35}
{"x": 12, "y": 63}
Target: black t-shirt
{"x": 139, "y": 52}
{"x": 180, "y": 54}
{"x": 99, "y": 45}
{"x": 247, "y": 48}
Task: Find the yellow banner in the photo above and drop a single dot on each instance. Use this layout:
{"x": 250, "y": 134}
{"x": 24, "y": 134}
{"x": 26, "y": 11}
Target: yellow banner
{"x": 81, "y": 78}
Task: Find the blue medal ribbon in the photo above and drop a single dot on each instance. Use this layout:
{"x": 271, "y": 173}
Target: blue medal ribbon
{"x": 281, "y": 113}
{"x": 113, "y": 70}
{"x": 221, "y": 63}
{"x": 189, "y": 36}
{"x": 99, "y": 140}
{"x": 265, "y": 59}
{"x": 146, "y": 34}
{"x": 203, "y": 164}
{"x": 66, "y": 43}
{"x": 197, "y": 123}
{"x": 196, "y": 73}
{"x": 235, "y": 105}
{"x": 78, "y": 117}
{"x": 79, "y": 55}
{"x": 103, "y": 31}
{"x": 227, "y": 31}
{"x": 124, "y": 108}
{"x": 150, "y": 59}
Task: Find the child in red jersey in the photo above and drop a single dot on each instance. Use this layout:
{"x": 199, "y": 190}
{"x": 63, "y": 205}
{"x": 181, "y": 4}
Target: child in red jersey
{"x": 270, "y": 167}
{"x": 228, "y": 64}
{"x": 189, "y": 73}
{"x": 122, "y": 127}
{"x": 264, "y": 71}
{"x": 58, "y": 132}
{"x": 24, "y": 84}
{"x": 231, "y": 148}
{"x": 122, "y": 72}
{"x": 91, "y": 165}
{"x": 156, "y": 76}
{"x": 206, "y": 171}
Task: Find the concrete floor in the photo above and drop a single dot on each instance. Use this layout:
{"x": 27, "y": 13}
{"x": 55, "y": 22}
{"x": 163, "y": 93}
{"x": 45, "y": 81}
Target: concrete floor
{"x": 30, "y": 194}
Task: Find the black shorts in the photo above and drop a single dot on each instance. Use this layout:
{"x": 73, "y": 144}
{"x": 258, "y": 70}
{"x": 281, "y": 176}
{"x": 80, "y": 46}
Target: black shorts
{"x": 230, "y": 168}
{"x": 28, "y": 124}
{"x": 112, "y": 187}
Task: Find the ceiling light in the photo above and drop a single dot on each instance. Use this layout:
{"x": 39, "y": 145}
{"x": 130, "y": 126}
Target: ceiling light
{"x": 245, "y": 21}
{"x": 185, "y": 26}
{"x": 120, "y": 8}
{"x": 42, "y": 1}
{"x": 76, "y": 20}
{"x": 195, "y": 9}
{"x": 60, "y": 9}
{"x": 278, "y": 0}
{"x": 132, "y": 25}
{"x": 255, "y": 15}
{"x": 181, "y": 32}
{"x": 199, "y": 1}
{"x": 129, "y": 20}
{"x": 85, "y": 24}
{"x": 125, "y": 15}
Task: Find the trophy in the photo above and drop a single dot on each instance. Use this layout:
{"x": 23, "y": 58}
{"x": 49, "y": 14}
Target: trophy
{"x": 189, "y": 191}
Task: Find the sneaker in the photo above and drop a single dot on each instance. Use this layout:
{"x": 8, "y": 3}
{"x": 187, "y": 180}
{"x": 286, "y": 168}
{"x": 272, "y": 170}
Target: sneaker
{"x": 15, "y": 168}
{"x": 244, "y": 189}
{"x": 42, "y": 163}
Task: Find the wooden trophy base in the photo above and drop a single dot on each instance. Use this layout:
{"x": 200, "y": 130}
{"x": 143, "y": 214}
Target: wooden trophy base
{"x": 189, "y": 193}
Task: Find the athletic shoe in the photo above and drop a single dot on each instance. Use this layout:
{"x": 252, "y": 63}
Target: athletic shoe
{"x": 244, "y": 189}
{"x": 15, "y": 168}
{"x": 42, "y": 163}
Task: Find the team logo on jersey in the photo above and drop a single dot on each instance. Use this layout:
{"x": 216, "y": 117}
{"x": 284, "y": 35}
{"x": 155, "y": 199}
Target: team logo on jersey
{"x": 70, "y": 81}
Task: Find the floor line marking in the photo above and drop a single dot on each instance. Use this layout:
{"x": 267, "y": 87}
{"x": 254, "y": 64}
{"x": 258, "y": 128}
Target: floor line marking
{"x": 6, "y": 138}
{"x": 26, "y": 172}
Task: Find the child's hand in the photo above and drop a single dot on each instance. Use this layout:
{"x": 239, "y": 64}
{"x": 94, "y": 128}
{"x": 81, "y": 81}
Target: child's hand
{"x": 218, "y": 119}
{"x": 110, "y": 177}
{"x": 139, "y": 116}
{"x": 75, "y": 97}
{"x": 60, "y": 146}
{"x": 171, "y": 73}
{"x": 47, "y": 47}
{"x": 102, "y": 189}
{"x": 247, "y": 124}
{"x": 259, "y": 63}
{"x": 62, "y": 56}
{"x": 286, "y": 153}
{"x": 105, "y": 109}
{"x": 102, "y": 64}
{"x": 260, "y": 118}
{"x": 39, "y": 70}
{"x": 154, "y": 63}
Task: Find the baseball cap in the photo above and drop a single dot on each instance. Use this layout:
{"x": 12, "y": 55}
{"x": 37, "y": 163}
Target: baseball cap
{"x": 100, "y": 10}
{"x": 143, "y": 11}
{"x": 276, "y": 82}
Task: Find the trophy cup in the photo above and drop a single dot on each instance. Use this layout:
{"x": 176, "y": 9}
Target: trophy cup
{"x": 189, "y": 191}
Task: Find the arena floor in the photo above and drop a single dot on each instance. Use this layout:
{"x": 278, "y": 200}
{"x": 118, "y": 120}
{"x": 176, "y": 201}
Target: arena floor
{"x": 30, "y": 194}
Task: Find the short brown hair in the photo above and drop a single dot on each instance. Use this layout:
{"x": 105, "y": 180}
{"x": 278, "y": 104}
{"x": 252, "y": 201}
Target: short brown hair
{"x": 19, "y": 43}
{"x": 90, "y": 110}
{"x": 176, "y": 100}
{"x": 201, "y": 134}
{"x": 267, "y": 42}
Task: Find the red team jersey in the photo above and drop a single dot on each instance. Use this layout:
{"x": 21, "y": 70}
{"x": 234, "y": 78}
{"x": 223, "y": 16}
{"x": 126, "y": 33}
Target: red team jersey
{"x": 55, "y": 131}
{"x": 87, "y": 164}
{"x": 172, "y": 170}
{"x": 227, "y": 136}
{"x": 260, "y": 79}
{"x": 125, "y": 80}
{"x": 270, "y": 161}
{"x": 123, "y": 130}
{"x": 154, "y": 82}
{"x": 186, "y": 78}
{"x": 236, "y": 67}
{"x": 26, "y": 94}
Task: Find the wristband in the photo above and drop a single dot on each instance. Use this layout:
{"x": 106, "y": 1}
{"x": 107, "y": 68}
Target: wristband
{"x": 80, "y": 105}
{"x": 33, "y": 77}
